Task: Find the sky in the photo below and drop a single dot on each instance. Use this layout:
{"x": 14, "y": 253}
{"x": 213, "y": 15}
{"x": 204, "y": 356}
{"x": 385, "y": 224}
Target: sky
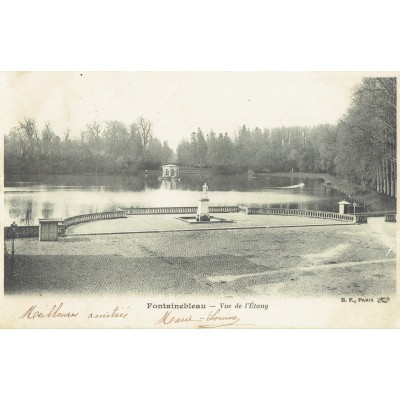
{"x": 177, "y": 103}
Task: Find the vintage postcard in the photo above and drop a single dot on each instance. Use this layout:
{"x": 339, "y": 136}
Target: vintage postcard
{"x": 199, "y": 200}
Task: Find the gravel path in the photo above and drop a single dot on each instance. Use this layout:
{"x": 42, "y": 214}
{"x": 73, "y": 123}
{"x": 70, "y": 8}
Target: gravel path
{"x": 342, "y": 260}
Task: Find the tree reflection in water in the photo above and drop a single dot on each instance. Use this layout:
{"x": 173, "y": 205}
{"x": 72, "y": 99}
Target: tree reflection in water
{"x": 47, "y": 210}
{"x": 27, "y": 198}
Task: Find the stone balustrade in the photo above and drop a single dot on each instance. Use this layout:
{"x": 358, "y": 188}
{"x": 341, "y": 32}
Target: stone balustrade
{"x": 33, "y": 230}
{"x": 301, "y": 213}
{"x": 390, "y": 218}
{"x": 22, "y": 231}
{"x": 224, "y": 209}
{"x": 179, "y": 210}
{"x": 161, "y": 210}
{"x": 79, "y": 219}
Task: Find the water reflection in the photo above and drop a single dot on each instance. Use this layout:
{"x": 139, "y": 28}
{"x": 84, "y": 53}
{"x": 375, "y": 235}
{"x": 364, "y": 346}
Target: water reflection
{"x": 28, "y": 198}
{"x": 21, "y": 211}
{"x": 169, "y": 184}
{"x": 74, "y": 182}
{"x": 47, "y": 210}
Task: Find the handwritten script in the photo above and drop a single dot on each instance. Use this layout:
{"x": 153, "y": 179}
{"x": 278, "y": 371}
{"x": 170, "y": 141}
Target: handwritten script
{"x": 55, "y": 311}
{"x": 214, "y": 319}
{"x": 58, "y": 311}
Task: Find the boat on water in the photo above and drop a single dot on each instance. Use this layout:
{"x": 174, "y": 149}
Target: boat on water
{"x": 300, "y": 185}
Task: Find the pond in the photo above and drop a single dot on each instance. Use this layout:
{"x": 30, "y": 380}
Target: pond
{"x": 28, "y": 198}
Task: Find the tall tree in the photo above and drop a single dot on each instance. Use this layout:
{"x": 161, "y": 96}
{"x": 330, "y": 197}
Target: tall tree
{"x": 167, "y": 153}
{"x": 367, "y": 136}
{"x": 136, "y": 147}
{"x": 184, "y": 153}
{"x": 144, "y": 127}
{"x": 93, "y": 134}
{"x": 28, "y": 130}
{"x": 201, "y": 149}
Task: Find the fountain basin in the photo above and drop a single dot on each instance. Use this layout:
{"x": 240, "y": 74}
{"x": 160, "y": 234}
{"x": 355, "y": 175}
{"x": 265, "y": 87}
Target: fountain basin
{"x": 213, "y": 220}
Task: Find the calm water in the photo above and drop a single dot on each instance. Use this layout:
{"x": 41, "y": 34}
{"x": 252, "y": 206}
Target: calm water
{"x": 28, "y": 198}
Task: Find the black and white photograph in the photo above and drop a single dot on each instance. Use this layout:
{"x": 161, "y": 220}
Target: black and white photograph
{"x": 236, "y": 188}
{"x": 199, "y": 199}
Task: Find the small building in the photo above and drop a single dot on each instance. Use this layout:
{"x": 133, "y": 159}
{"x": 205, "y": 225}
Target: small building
{"x": 48, "y": 229}
{"x": 170, "y": 171}
{"x": 344, "y": 207}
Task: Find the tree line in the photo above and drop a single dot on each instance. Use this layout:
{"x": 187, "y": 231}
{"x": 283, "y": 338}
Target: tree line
{"x": 111, "y": 147}
{"x": 281, "y": 149}
{"x": 361, "y": 147}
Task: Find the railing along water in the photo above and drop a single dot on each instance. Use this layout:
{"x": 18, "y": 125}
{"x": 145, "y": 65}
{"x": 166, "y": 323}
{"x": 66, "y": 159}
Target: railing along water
{"x": 79, "y": 219}
{"x": 224, "y": 209}
{"x": 390, "y": 218}
{"x": 161, "y": 210}
{"x": 302, "y": 213}
{"x": 178, "y": 210}
{"x": 33, "y": 230}
{"x": 21, "y": 231}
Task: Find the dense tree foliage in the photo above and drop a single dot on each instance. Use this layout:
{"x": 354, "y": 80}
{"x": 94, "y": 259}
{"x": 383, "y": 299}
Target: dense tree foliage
{"x": 278, "y": 150}
{"x": 109, "y": 148}
{"x": 367, "y": 136}
{"x": 360, "y": 148}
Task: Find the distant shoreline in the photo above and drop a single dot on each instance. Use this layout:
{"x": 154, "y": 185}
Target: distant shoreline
{"x": 374, "y": 199}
